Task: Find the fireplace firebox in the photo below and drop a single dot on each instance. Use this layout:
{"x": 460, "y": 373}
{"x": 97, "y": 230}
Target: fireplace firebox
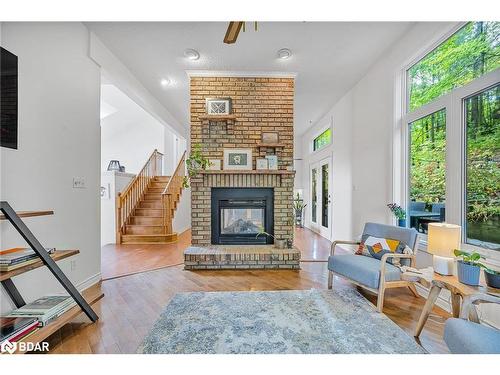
{"x": 239, "y": 214}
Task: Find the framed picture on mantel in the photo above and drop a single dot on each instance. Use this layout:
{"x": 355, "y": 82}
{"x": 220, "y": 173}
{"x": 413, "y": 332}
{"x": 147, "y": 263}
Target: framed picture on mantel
{"x": 237, "y": 159}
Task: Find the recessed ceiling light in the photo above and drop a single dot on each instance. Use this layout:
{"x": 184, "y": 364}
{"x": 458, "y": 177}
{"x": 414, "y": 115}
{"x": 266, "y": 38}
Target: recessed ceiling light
{"x": 165, "y": 82}
{"x": 284, "y": 53}
{"x": 191, "y": 54}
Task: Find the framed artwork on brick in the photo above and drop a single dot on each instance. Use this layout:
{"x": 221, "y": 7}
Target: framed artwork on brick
{"x": 272, "y": 161}
{"x": 218, "y": 106}
{"x": 270, "y": 137}
{"x": 237, "y": 159}
{"x": 261, "y": 164}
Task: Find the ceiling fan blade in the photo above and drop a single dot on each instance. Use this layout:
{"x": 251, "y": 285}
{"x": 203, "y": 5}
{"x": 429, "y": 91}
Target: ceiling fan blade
{"x": 232, "y": 32}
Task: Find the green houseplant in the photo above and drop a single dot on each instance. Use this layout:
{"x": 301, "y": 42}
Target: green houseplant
{"x": 399, "y": 213}
{"x": 195, "y": 163}
{"x": 280, "y": 244}
{"x": 298, "y": 207}
{"x": 469, "y": 267}
{"x": 492, "y": 278}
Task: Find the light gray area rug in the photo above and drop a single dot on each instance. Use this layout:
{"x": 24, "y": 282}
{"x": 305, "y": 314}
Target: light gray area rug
{"x": 309, "y": 321}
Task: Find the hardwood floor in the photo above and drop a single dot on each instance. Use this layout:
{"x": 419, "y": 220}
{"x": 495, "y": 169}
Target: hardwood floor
{"x": 133, "y": 303}
{"x": 126, "y": 259}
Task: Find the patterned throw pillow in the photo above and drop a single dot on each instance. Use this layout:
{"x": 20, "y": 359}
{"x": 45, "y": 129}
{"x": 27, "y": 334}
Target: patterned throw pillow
{"x": 376, "y": 247}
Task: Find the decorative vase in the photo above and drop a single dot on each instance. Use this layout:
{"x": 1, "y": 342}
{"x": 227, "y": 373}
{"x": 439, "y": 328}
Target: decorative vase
{"x": 402, "y": 223}
{"x": 492, "y": 279}
{"x": 468, "y": 273}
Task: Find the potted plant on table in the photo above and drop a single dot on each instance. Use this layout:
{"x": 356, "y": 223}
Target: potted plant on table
{"x": 469, "y": 267}
{"x": 399, "y": 213}
{"x": 492, "y": 278}
{"x": 298, "y": 207}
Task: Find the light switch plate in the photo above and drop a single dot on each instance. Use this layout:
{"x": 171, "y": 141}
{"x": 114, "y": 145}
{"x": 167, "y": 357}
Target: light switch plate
{"x": 78, "y": 183}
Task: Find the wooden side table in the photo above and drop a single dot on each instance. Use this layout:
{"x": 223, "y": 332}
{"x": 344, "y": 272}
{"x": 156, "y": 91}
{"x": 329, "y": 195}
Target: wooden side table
{"x": 458, "y": 292}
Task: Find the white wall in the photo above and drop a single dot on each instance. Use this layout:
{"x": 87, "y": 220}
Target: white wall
{"x": 182, "y": 217}
{"x": 59, "y": 138}
{"x": 339, "y": 118}
{"x": 115, "y": 182}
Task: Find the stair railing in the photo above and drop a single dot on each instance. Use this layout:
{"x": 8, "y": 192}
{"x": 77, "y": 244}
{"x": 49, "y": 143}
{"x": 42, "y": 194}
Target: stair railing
{"x": 127, "y": 201}
{"x": 172, "y": 193}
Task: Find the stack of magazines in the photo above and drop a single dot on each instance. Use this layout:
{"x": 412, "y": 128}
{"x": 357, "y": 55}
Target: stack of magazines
{"x": 15, "y": 329}
{"x": 11, "y": 259}
{"x": 45, "y": 309}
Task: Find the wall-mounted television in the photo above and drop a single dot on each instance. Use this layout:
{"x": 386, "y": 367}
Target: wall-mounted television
{"x": 8, "y": 99}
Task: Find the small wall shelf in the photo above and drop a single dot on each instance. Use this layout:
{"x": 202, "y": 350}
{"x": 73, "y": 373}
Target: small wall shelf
{"x": 253, "y": 171}
{"x": 218, "y": 117}
{"x": 270, "y": 145}
{"x": 29, "y": 214}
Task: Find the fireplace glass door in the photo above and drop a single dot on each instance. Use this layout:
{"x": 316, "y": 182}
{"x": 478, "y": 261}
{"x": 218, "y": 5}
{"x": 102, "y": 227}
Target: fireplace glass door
{"x": 242, "y": 220}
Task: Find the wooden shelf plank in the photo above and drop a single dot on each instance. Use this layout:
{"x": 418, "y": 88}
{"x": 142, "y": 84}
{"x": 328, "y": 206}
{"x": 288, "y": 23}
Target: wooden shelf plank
{"x": 271, "y": 145}
{"x": 29, "y": 214}
{"x": 57, "y": 255}
{"x": 91, "y": 295}
{"x": 217, "y": 117}
{"x": 253, "y": 171}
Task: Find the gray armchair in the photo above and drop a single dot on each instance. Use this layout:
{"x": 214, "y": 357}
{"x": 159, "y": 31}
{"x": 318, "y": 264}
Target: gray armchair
{"x": 370, "y": 273}
{"x": 465, "y": 337}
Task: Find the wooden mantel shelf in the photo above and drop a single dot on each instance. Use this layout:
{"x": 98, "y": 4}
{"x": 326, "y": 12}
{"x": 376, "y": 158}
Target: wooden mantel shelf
{"x": 217, "y": 117}
{"x": 29, "y": 214}
{"x": 253, "y": 171}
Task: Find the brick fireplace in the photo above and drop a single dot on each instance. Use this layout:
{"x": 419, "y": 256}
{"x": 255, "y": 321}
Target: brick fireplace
{"x": 259, "y": 104}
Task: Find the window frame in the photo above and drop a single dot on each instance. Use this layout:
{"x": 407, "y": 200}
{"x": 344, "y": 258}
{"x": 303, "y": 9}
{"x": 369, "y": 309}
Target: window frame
{"x": 453, "y": 102}
{"x": 319, "y": 134}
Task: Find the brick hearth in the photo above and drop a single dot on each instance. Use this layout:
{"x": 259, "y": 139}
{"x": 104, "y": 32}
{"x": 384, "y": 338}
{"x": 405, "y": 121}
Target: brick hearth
{"x": 240, "y": 257}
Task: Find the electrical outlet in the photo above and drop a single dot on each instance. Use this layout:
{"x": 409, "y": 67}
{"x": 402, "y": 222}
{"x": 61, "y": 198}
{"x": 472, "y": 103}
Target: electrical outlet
{"x": 73, "y": 265}
{"x": 78, "y": 183}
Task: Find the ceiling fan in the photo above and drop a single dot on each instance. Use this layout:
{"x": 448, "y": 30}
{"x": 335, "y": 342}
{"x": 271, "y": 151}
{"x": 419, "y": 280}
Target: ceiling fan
{"x": 234, "y": 29}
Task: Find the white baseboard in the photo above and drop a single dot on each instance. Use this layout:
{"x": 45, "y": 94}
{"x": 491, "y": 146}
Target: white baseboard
{"x": 88, "y": 282}
{"x": 445, "y": 304}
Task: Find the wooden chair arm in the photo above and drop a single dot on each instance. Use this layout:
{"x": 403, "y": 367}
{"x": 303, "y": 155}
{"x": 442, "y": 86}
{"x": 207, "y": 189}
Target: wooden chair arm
{"x": 475, "y": 299}
{"x": 334, "y": 244}
{"x": 394, "y": 255}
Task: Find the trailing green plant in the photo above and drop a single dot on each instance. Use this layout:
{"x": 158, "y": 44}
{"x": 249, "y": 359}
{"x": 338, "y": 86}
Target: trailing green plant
{"x": 470, "y": 258}
{"x": 493, "y": 272}
{"x": 397, "y": 210}
{"x": 195, "y": 163}
{"x": 264, "y": 233}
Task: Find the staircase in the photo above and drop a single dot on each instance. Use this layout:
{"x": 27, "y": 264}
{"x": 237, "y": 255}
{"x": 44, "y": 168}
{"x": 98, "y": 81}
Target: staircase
{"x": 146, "y": 208}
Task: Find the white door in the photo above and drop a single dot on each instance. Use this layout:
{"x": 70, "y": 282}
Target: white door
{"x": 321, "y": 196}
{"x": 325, "y": 195}
{"x": 315, "y": 190}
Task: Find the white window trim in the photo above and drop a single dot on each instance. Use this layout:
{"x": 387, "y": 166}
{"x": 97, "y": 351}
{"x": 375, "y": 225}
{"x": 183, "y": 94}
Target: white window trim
{"x": 455, "y": 141}
{"x": 317, "y": 134}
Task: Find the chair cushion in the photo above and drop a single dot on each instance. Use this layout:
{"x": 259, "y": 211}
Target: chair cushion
{"x": 465, "y": 337}
{"x": 362, "y": 269}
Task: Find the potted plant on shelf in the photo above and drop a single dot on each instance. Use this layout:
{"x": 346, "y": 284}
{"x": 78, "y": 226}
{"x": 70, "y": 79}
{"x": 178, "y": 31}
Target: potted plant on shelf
{"x": 195, "y": 163}
{"x": 399, "y": 213}
{"x": 469, "y": 267}
{"x": 492, "y": 278}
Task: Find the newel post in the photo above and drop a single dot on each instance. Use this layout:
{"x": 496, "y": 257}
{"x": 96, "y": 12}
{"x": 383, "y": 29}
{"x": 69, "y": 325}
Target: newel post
{"x": 118, "y": 211}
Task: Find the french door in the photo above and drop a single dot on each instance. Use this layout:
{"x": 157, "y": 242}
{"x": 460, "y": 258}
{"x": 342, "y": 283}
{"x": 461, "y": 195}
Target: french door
{"x": 321, "y": 197}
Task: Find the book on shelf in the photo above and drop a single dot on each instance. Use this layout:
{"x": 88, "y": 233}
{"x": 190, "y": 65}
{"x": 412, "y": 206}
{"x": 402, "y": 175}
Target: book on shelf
{"x": 15, "y": 329}
{"x": 12, "y": 259}
{"x": 45, "y": 309}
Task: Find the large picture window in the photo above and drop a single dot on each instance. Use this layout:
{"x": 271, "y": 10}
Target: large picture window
{"x": 482, "y": 116}
{"x": 427, "y": 170}
{"x": 469, "y": 53}
{"x": 451, "y": 135}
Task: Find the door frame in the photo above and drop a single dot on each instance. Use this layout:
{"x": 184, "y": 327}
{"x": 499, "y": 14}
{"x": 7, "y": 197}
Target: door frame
{"x": 328, "y": 230}
{"x": 317, "y": 226}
